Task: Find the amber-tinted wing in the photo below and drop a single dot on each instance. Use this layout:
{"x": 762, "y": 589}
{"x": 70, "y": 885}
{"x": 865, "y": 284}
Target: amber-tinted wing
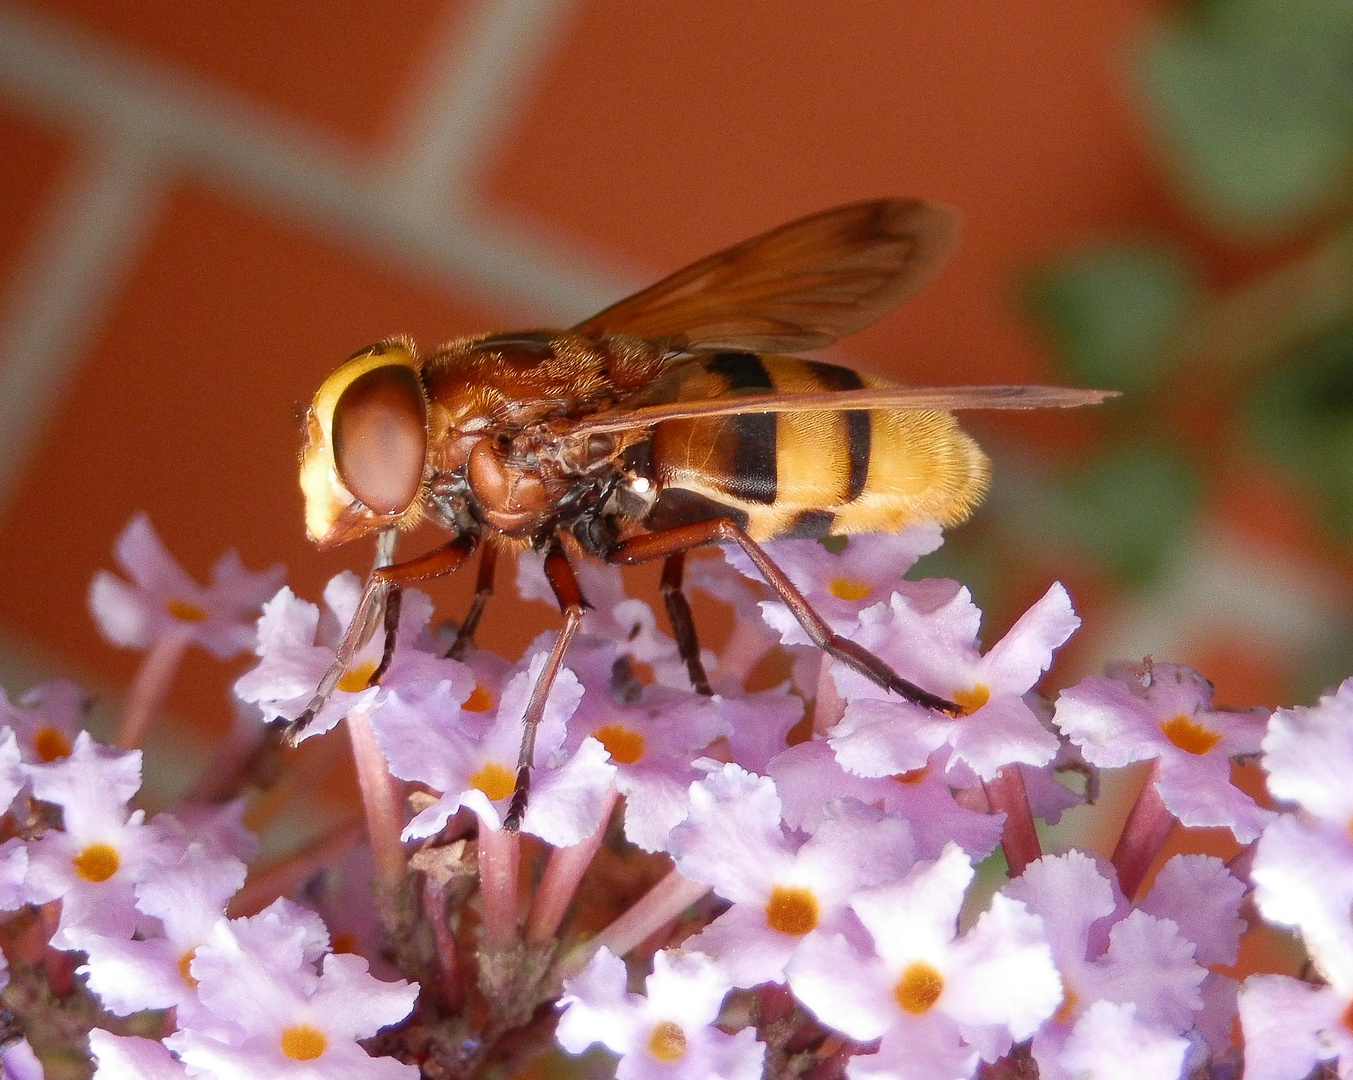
{"x": 797, "y": 287}
{"x": 942, "y": 398}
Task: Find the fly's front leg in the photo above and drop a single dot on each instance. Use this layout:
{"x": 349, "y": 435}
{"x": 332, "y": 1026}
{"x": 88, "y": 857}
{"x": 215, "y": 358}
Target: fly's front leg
{"x": 394, "y": 600}
{"x": 488, "y": 562}
{"x": 683, "y": 625}
{"x": 668, "y": 542}
{"x": 562, "y": 580}
{"x": 375, "y": 593}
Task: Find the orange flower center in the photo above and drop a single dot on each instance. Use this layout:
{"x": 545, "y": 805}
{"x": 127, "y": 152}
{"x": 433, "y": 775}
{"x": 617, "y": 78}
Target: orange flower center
{"x": 972, "y": 700}
{"x": 912, "y": 776}
{"x": 301, "y": 1042}
{"x": 98, "y": 862}
{"x": 185, "y": 610}
{"x": 919, "y": 988}
{"x": 791, "y": 910}
{"x": 344, "y": 943}
{"x": 1189, "y": 735}
{"x": 185, "y": 963}
{"x": 51, "y": 744}
{"x": 844, "y": 588}
{"x": 357, "y": 679}
{"x": 668, "y": 1042}
{"x": 625, "y": 745}
{"x": 1066, "y": 1011}
{"x": 494, "y": 780}
{"x": 480, "y": 700}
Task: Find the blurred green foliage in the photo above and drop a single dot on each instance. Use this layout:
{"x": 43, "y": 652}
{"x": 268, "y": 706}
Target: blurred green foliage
{"x": 1252, "y": 104}
{"x": 1111, "y": 311}
{"x": 1254, "y": 100}
{"x": 1302, "y": 414}
{"x": 1131, "y": 507}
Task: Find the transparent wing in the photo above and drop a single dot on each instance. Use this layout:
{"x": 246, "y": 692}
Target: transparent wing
{"x": 795, "y": 288}
{"x": 942, "y": 398}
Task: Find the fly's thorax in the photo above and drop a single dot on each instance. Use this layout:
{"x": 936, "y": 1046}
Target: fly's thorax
{"x": 520, "y": 482}
{"x": 523, "y": 379}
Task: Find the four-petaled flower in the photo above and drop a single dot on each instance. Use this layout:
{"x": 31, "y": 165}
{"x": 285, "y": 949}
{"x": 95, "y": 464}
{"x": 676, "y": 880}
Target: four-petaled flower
{"x": 163, "y": 600}
{"x": 1164, "y": 712}
{"x": 669, "y": 1031}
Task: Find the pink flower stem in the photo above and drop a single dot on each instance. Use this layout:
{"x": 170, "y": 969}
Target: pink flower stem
{"x": 499, "y": 864}
{"x": 450, "y": 987}
{"x": 1019, "y": 840}
{"x": 1149, "y": 825}
{"x": 380, "y": 800}
{"x": 150, "y": 688}
{"x": 295, "y": 869}
{"x": 657, "y": 940}
{"x": 563, "y": 874}
{"x": 828, "y": 707}
{"x": 662, "y": 903}
{"x": 745, "y": 649}
{"x": 230, "y": 764}
{"x": 301, "y": 771}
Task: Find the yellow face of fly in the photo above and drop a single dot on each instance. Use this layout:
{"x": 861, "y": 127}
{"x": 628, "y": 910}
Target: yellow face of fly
{"x": 333, "y": 514}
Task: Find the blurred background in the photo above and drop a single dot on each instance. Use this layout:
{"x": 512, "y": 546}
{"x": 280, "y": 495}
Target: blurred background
{"x": 205, "y": 207}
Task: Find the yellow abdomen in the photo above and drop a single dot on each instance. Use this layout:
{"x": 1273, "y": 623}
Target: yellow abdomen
{"x": 814, "y": 473}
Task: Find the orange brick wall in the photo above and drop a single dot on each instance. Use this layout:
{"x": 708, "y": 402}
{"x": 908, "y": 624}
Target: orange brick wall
{"x": 206, "y": 206}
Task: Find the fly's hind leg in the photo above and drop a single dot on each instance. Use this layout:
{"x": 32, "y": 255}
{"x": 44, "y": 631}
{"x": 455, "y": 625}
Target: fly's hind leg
{"x": 669, "y": 542}
{"x": 564, "y": 583}
{"x": 683, "y": 625}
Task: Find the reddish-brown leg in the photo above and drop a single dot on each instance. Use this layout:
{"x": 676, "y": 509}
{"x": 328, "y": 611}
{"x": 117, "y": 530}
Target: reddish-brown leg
{"x": 444, "y": 560}
{"x": 683, "y": 625}
{"x": 488, "y": 562}
{"x": 560, "y": 575}
{"x": 394, "y": 600}
{"x": 668, "y": 542}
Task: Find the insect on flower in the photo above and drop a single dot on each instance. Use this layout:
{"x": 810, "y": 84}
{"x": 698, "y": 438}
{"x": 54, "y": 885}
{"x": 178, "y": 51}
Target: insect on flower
{"x": 671, "y": 419}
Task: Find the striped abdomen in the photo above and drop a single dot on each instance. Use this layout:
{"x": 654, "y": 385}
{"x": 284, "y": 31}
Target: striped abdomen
{"x": 807, "y": 474}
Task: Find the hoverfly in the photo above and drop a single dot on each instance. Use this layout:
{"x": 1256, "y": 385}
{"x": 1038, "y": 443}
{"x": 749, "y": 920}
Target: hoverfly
{"x": 670, "y": 420}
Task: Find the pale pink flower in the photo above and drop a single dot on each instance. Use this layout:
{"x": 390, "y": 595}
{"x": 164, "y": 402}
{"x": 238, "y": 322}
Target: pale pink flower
{"x": 841, "y": 581}
{"x": 268, "y": 1011}
{"x": 1163, "y": 712}
{"x": 1107, "y": 952}
{"x": 784, "y": 889}
{"x": 46, "y": 719}
{"x": 162, "y": 599}
{"x": 652, "y": 741}
{"x": 296, "y": 646}
{"x": 474, "y": 764}
{"x": 104, "y": 850}
{"x": 939, "y": 1001}
{"x": 668, "y": 1032}
{"x": 883, "y": 734}
{"x": 126, "y": 1057}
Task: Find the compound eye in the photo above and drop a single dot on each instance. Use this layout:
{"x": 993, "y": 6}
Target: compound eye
{"x": 380, "y": 437}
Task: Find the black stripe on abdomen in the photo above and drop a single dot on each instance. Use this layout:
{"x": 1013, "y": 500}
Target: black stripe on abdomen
{"x": 808, "y": 525}
{"x": 746, "y": 442}
{"x": 857, "y": 431}
{"x": 857, "y": 423}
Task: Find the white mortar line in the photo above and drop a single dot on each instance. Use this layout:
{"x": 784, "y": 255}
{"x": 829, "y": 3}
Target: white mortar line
{"x": 482, "y": 64}
{"x": 148, "y": 123}
{"x": 76, "y": 82}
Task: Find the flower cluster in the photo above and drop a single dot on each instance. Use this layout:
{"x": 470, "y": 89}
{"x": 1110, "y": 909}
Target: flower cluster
{"x": 821, "y": 878}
